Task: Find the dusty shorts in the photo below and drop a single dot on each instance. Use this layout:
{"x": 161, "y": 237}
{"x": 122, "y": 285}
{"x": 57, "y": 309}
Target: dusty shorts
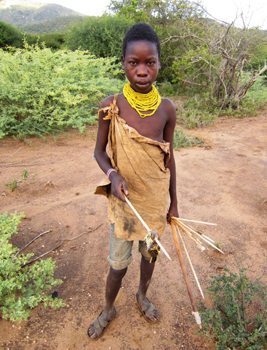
{"x": 120, "y": 251}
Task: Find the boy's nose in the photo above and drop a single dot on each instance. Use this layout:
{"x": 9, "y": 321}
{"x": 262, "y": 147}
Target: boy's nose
{"x": 142, "y": 70}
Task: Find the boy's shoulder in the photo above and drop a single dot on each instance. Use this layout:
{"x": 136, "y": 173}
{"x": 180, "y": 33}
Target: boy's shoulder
{"x": 107, "y": 101}
{"x": 169, "y": 109}
{"x": 168, "y": 105}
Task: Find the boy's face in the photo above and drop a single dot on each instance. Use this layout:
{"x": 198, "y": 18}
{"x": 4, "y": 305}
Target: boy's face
{"x": 141, "y": 64}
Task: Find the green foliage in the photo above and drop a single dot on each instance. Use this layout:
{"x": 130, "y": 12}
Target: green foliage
{"x": 238, "y": 318}
{"x": 256, "y": 97}
{"x": 10, "y": 36}
{"x": 52, "y": 40}
{"x": 181, "y": 140}
{"x": 258, "y": 57}
{"x": 156, "y": 12}
{"x": 25, "y": 174}
{"x": 168, "y": 89}
{"x": 43, "y": 91}
{"x": 102, "y": 36}
{"x": 195, "y": 60}
{"x": 199, "y": 110}
{"x": 22, "y": 287}
{"x": 12, "y": 185}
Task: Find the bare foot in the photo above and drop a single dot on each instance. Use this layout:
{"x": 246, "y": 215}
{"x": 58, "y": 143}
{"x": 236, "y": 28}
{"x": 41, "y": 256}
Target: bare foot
{"x": 148, "y": 310}
{"x": 97, "y": 327}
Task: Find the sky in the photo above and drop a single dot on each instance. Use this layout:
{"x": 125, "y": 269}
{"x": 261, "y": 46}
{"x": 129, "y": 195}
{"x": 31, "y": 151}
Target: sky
{"x": 254, "y": 11}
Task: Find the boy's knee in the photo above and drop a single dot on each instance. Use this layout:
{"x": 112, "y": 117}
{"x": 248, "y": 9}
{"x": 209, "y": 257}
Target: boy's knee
{"x": 118, "y": 274}
{"x": 119, "y": 265}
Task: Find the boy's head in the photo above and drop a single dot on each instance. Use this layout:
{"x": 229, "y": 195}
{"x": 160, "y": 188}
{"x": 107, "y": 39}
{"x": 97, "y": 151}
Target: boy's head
{"x": 139, "y": 32}
{"x": 140, "y": 56}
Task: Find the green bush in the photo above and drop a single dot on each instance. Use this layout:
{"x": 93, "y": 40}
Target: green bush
{"x": 181, "y": 140}
{"x": 168, "y": 89}
{"x": 256, "y": 97}
{"x": 42, "y": 91}
{"x": 15, "y": 183}
{"x": 199, "y": 110}
{"x": 102, "y": 36}
{"x": 238, "y": 318}
{"x": 53, "y": 40}
{"x": 10, "y": 36}
{"x": 22, "y": 288}
{"x": 258, "y": 59}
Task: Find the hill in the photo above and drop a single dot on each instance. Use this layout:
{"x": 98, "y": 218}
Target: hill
{"x": 45, "y": 18}
{"x": 59, "y": 24}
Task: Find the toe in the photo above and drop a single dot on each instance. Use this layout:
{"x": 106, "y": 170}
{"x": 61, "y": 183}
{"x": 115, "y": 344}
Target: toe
{"x": 149, "y": 310}
{"x": 91, "y": 331}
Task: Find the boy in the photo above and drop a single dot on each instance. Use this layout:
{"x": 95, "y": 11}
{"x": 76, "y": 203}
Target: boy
{"x": 137, "y": 128}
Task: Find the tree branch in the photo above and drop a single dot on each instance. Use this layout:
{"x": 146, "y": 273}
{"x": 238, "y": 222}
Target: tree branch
{"x": 59, "y": 245}
{"x": 34, "y": 239}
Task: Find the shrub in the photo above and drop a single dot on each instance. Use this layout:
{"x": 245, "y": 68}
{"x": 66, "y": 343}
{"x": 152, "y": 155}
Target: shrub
{"x": 53, "y": 40}
{"x": 256, "y": 97}
{"x": 12, "y": 185}
{"x": 10, "y": 36}
{"x": 22, "y": 287}
{"x": 199, "y": 110}
{"x": 42, "y": 91}
{"x": 238, "y": 318}
{"x": 102, "y": 36}
{"x": 181, "y": 140}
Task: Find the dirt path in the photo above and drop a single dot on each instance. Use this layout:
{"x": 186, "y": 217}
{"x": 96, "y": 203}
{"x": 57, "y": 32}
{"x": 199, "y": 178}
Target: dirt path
{"x": 222, "y": 183}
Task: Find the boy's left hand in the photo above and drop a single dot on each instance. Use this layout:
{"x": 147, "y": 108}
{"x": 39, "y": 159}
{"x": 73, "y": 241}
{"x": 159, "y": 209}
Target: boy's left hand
{"x": 173, "y": 211}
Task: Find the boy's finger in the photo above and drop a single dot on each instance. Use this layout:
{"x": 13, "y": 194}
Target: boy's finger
{"x": 120, "y": 194}
{"x": 125, "y": 188}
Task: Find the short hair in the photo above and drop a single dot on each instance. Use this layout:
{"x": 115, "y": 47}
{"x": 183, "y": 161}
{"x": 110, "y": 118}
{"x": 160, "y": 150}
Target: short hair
{"x": 140, "y": 31}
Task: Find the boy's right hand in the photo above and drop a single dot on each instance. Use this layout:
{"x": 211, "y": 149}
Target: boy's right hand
{"x": 119, "y": 187}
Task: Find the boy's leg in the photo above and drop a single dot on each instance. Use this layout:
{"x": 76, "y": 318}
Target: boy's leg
{"x": 119, "y": 258}
{"x": 146, "y": 271}
{"x": 113, "y": 285}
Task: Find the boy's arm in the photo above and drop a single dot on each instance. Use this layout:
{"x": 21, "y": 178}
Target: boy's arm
{"x": 168, "y": 136}
{"x": 118, "y": 184}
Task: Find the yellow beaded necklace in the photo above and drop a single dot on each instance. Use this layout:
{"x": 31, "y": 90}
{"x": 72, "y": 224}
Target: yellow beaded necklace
{"x": 144, "y": 104}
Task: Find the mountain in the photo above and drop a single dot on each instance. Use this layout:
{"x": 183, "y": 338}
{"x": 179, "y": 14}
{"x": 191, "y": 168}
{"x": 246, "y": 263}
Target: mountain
{"x": 60, "y": 24}
{"x": 45, "y": 16}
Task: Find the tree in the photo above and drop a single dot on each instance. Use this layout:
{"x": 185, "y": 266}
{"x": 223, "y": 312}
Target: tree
{"x": 218, "y": 60}
{"x": 102, "y": 36}
{"x": 199, "y": 52}
{"x": 167, "y": 18}
{"x": 156, "y": 12}
{"x": 10, "y": 36}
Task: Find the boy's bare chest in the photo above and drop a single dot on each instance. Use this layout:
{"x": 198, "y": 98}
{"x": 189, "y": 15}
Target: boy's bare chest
{"x": 151, "y": 127}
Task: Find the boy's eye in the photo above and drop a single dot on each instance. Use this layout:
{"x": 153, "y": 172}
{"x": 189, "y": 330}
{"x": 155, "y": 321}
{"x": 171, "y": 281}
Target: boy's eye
{"x": 132, "y": 63}
{"x": 151, "y": 63}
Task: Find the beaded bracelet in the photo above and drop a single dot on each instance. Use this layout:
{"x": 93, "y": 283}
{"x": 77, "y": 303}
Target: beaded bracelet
{"x": 110, "y": 170}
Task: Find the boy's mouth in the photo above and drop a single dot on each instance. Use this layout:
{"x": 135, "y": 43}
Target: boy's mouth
{"x": 142, "y": 83}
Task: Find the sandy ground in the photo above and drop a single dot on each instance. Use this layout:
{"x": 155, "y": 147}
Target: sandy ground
{"x": 222, "y": 183}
